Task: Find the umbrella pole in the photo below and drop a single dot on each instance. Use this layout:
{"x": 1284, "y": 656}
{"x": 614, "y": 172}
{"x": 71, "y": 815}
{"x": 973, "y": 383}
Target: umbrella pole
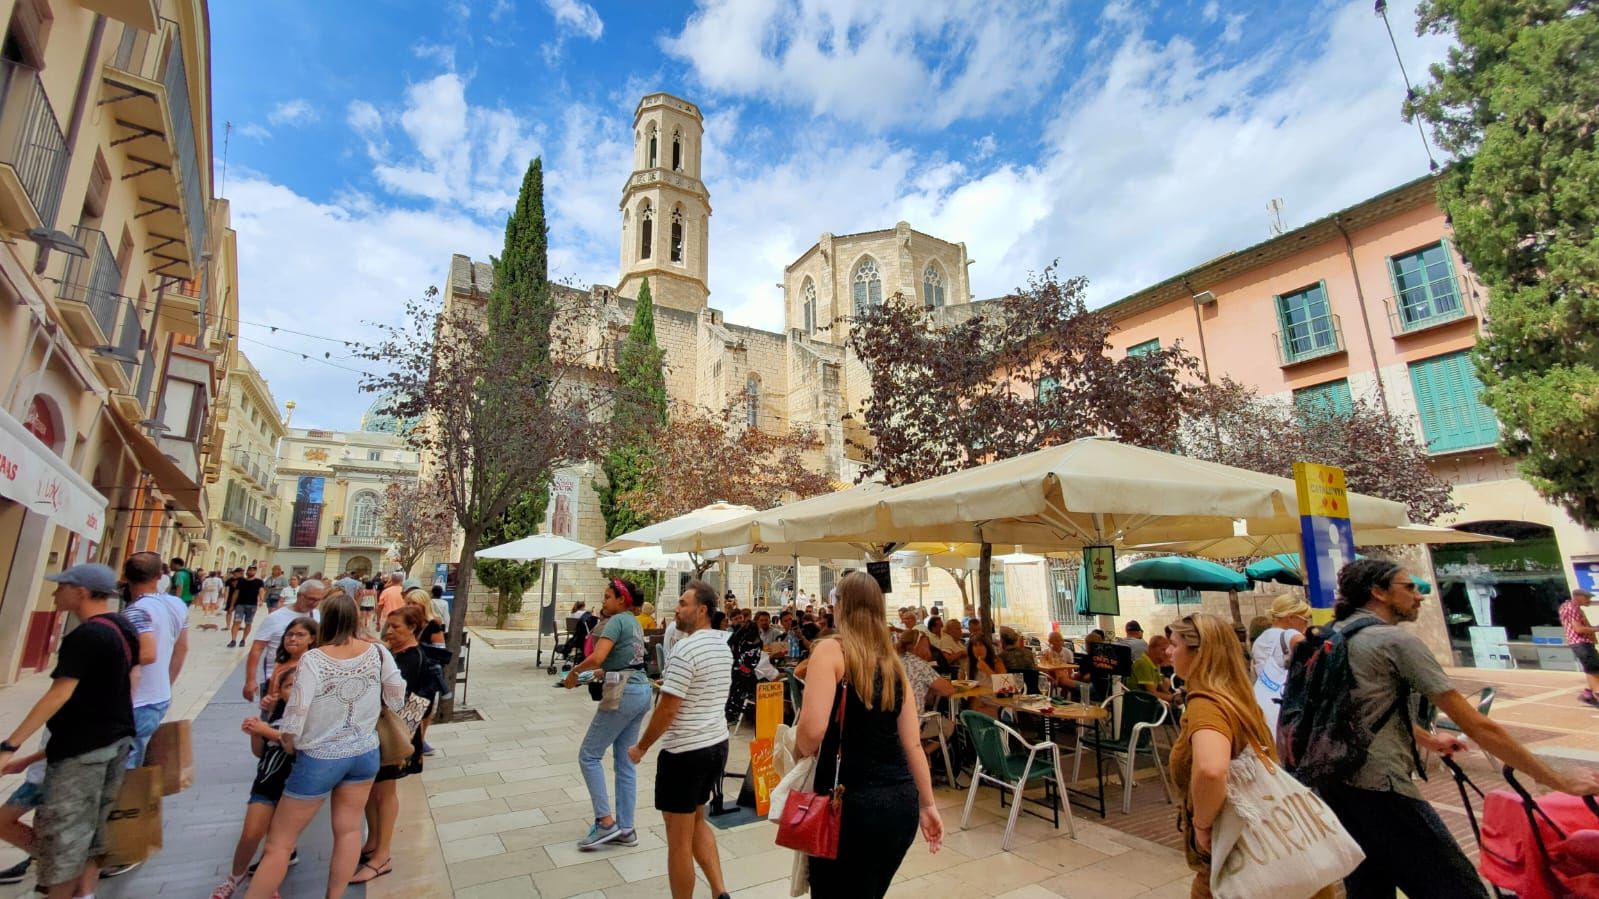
{"x": 1232, "y": 605}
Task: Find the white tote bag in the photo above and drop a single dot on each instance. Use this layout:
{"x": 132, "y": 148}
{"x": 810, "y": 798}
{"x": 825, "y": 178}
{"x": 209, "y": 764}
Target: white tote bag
{"x": 1274, "y": 836}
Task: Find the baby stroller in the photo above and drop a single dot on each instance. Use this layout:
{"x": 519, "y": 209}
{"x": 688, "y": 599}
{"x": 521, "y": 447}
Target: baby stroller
{"x": 1543, "y": 848}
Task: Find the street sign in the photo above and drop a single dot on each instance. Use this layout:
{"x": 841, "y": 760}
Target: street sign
{"x": 1587, "y": 573}
{"x": 1327, "y": 541}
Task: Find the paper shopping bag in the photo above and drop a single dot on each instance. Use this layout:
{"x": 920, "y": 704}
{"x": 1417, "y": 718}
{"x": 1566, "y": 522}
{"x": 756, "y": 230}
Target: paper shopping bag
{"x": 171, "y": 747}
{"x": 133, "y": 831}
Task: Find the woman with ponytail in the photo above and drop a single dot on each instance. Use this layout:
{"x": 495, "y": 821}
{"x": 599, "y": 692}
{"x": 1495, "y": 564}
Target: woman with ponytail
{"x": 618, "y": 665}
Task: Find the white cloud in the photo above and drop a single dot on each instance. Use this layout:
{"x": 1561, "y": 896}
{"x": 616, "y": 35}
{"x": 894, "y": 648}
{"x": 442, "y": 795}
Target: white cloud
{"x": 880, "y": 64}
{"x": 577, "y": 18}
{"x": 298, "y": 111}
{"x": 254, "y": 131}
{"x": 1212, "y": 11}
{"x": 443, "y": 54}
{"x": 502, "y": 8}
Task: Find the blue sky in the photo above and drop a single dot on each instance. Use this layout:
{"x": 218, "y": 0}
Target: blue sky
{"x": 1127, "y": 140}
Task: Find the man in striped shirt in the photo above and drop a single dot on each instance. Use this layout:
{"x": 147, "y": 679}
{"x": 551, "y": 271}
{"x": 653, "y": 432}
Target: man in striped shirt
{"x": 688, "y": 723}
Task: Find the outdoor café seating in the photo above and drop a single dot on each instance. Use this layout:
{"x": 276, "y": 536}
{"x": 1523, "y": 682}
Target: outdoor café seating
{"x": 1136, "y": 716}
{"x": 1014, "y": 770}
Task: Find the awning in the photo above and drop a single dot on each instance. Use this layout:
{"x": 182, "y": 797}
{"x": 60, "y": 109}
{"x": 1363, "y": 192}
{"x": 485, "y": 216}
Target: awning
{"x": 169, "y": 478}
{"x": 37, "y": 478}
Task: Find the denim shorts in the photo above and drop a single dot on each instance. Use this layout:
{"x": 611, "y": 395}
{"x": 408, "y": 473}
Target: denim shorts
{"x": 314, "y": 778}
{"x": 27, "y": 796}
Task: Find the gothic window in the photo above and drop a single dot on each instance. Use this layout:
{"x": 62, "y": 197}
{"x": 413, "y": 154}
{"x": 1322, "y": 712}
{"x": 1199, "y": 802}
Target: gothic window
{"x": 646, "y": 229}
{"x": 677, "y": 150}
{"x": 868, "y": 286}
{"x": 654, "y": 138}
{"x": 752, "y": 401}
{"x": 808, "y": 309}
{"x": 364, "y": 515}
{"x": 932, "y": 286}
{"x": 677, "y": 234}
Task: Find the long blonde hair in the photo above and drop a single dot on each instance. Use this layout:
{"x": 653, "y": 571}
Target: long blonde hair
{"x": 1218, "y": 669}
{"x": 869, "y": 655}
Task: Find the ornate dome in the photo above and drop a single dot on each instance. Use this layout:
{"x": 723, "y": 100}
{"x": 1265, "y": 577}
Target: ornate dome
{"x": 380, "y": 418}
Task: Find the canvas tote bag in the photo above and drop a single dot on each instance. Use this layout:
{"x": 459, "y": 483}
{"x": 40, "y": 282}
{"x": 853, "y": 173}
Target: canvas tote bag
{"x": 1274, "y": 837}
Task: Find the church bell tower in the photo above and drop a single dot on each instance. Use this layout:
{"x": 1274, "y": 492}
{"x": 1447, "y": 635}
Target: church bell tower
{"x": 666, "y": 210}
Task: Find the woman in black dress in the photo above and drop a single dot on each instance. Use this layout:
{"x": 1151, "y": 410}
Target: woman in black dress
{"x": 400, "y": 633}
{"x": 887, "y": 788}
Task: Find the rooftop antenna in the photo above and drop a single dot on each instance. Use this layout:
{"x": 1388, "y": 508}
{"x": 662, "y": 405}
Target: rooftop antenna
{"x": 1275, "y": 210}
{"x": 1381, "y": 9}
{"x": 227, "y": 133}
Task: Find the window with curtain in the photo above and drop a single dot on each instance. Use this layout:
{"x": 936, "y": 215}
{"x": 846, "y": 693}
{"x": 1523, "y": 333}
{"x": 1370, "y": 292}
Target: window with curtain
{"x": 932, "y": 286}
{"x": 1307, "y": 324}
{"x": 1424, "y": 286}
{"x": 868, "y": 285}
{"x": 364, "y": 515}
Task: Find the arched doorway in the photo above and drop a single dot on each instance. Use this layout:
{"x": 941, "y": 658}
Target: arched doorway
{"x": 1516, "y": 586}
{"x": 360, "y": 566}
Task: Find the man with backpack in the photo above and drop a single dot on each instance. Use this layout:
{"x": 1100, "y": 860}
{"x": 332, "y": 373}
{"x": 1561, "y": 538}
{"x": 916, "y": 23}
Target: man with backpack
{"x": 1350, "y": 728}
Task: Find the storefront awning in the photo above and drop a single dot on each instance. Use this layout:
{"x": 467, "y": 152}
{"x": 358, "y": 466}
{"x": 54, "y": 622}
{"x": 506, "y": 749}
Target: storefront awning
{"x": 169, "y": 478}
{"x": 37, "y": 478}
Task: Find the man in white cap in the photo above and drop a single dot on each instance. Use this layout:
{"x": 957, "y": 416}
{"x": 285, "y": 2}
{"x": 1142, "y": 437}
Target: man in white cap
{"x": 89, "y": 710}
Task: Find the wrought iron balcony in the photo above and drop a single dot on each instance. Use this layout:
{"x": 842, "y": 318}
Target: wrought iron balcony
{"x": 33, "y": 151}
{"x": 92, "y": 290}
{"x": 1429, "y": 306}
{"x": 1317, "y": 338}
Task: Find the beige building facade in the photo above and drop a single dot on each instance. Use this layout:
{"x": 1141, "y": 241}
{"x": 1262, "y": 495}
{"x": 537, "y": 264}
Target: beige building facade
{"x": 329, "y": 492}
{"x": 119, "y": 275}
{"x": 242, "y": 491}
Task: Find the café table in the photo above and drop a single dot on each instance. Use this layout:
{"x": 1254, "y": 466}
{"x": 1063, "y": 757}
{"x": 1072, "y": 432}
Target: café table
{"x": 1051, "y": 710}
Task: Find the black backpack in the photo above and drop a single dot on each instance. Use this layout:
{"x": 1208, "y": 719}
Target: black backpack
{"x": 1321, "y": 737}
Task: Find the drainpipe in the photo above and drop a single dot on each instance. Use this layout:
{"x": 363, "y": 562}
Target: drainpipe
{"x": 1199, "y": 325}
{"x": 1365, "y": 318}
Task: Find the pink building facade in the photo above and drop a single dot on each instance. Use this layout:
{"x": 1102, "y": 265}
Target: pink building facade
{"x": 1374, "y": 302}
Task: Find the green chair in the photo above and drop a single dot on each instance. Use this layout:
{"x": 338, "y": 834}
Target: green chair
{"x": 1135, "y": 719}
{"x": 1014, "y": 770}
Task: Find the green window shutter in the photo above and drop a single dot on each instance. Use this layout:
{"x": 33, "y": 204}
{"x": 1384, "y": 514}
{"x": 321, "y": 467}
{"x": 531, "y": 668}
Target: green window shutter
{"x": 996, "y": 587}
{"x": 1333, "y": 397}
{"x": 1145, "y": 348}
{"x": 1448, "y": 400}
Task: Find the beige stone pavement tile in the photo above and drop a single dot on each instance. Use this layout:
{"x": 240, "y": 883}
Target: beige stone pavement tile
{"x": 918, "y": 861}
{"x": 520, "y": 887}
{"x": 498, "y": 867}
{"x": 1147, "y": 869}
{"x": 442, "y": 772}
{"x": 455, "y": 797}
{"x": 772, "y": 889}
{"x": 451, "y": 784}
{"x": 1031, "y": 891}
{"x": 750, "y": 839}
{"x": 544, "y": 835}
{"x": 1177, "y": 889}
{"x": 574, "y": 879}
{"x": 1085, "y": 883}
{"x": 579, "y": 809}
{"x": 554, "y": 787}
{"x": 492, "y": 823}
{"x": 998, "y": 873}
{"x": 934, "y": 886}
{"x": 641, "y": 865}
{"x": 750, "y": 870}
{"x": 1061, "y": 854}
{"x": 566, "y": 854}
{"x": 476, "y": 847}
{"x": 463, "y": 811}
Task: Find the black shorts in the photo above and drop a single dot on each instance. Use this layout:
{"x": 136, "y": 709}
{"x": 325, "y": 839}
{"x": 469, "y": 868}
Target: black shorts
{"x": 1587, "y": 657}
{"x": 684, "y": 780}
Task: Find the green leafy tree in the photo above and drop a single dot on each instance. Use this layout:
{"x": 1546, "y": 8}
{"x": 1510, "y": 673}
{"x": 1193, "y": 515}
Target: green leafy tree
{"x": 1517, "y": 102}
{"x": 512, "y": 579}
{"x": 639, "y": 410}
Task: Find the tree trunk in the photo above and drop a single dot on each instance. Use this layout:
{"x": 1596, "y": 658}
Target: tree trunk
{"x": 985, "y": 610}
{"x": 457, "y": 633}
{"x": 501, "y": 609}
{"x": 1232, "y": 603}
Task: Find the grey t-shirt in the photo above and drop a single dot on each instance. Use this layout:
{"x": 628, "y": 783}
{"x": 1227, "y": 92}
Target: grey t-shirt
{"x": 627, "y": 651}
{"x": 1383, "y": 657}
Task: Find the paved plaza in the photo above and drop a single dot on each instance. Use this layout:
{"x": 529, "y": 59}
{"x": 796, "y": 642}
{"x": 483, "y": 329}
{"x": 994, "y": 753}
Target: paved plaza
{"x": 501, "y": 806}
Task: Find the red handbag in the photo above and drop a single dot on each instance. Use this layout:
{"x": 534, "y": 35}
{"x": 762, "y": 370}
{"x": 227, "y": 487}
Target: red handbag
{"x": 810, "y": 820}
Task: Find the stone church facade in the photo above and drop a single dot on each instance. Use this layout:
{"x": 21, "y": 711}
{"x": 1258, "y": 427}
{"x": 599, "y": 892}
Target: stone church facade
{"x": 802, "y": 376}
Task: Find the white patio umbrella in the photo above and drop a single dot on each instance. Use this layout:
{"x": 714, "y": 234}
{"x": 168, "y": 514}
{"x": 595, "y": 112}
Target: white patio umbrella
{"x": 551, "y": 548}
{"x": 765, "y": 528}
{"x": 1244, "y": 545}
{"x": 647, "y": 558}
{"x": 1087, "y": 492}
{"x": 653, "y": 535}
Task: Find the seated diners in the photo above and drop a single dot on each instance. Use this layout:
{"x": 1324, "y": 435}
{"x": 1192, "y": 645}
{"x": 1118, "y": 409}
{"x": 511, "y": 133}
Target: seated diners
{"x": 928, "y": 686}
{"x": 1055, "y": 660}
{"x": 950, "y": 646}
{"x": 1146, "y": 674}
{"x": 1016, "y": 655}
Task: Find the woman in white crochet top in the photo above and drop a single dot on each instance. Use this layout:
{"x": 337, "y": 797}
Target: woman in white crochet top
{"x": 330, "y": 724}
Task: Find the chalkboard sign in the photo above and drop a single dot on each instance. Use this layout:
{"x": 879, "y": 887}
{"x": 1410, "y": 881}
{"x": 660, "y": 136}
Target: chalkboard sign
{"x": 1110, "y": 660}
{"x": 880, "y": 571}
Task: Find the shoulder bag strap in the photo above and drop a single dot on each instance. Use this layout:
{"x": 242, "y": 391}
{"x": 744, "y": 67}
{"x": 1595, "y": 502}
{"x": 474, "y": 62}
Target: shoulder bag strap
{"x": 838, "y": 715}
{"x": 127, "y": 652}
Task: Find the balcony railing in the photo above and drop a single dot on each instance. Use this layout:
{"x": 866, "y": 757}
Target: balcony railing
{"x": 357, "y": 540}
{"x": 1437, "y": 303}
{"x": 176, "y": 80}
{"x": 130, "y": 338}
{"x": 246, "y": 462}
{"x": 31, "y": 139}
{"x": 95, "y": 280}
{"x": 240, "y": 517}
{"x": 1319, "y": 337}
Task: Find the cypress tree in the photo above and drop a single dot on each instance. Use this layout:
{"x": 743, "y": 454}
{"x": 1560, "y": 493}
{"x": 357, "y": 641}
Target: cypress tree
{"x": 639, "y": 409}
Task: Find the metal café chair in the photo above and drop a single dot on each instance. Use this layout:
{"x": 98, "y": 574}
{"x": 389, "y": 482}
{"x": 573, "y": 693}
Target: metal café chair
{"x": 1137, "y": 716}
{"x": 1014, "y": 770}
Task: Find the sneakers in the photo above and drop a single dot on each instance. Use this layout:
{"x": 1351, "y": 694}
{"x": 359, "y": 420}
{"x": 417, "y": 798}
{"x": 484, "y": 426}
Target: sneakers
{"x": 17, "y": 872}
{"x": 294, "y": 859}
{"x": 118, "y": 870}
{"x": 426, "y": 749}
{"x": 627, "y": 837}
{"x": 1586, "y": 696}
{"x": 598, "y": 836}
{"x": 227, "y": 888}
{"x": 232, "y": 643}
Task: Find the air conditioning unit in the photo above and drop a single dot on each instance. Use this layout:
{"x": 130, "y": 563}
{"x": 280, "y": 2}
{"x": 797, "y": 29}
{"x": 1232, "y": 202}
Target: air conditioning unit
{"x": 1204, "y": 298}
